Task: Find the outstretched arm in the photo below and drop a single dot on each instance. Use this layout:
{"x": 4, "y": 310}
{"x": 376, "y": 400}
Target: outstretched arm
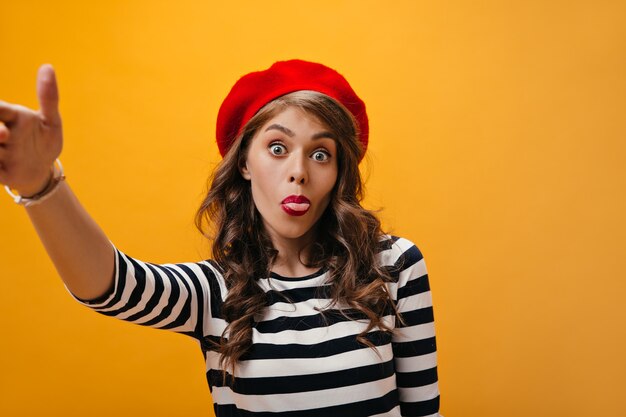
{"x": 30, "y": 142}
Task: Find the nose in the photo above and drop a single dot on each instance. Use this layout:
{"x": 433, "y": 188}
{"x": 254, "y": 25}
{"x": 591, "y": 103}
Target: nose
{"x": 297, "y": 170}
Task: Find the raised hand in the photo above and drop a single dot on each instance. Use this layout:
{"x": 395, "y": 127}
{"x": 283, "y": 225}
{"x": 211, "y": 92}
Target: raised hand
{"x": 30, "y": 141}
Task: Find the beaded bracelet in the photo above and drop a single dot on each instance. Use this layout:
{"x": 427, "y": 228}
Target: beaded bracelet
{"x": 43, "y": 195}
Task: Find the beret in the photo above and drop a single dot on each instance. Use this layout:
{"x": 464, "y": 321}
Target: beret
{"x": 253, "y": 91}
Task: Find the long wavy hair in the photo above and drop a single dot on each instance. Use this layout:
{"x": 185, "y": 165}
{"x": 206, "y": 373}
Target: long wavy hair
{"x": 348, "y": 236}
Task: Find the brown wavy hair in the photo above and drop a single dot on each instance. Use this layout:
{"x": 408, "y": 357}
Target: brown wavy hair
{"x": 348, "y": 236}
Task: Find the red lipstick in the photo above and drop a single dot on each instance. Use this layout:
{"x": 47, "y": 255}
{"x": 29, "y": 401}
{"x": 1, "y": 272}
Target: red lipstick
{"x": 295, "y": 205}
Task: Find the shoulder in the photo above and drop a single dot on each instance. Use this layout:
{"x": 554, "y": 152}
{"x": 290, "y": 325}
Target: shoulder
{"x": 405, "y": 264}
{"x": 401, "y": 258}
{"x": 398, "y": 252}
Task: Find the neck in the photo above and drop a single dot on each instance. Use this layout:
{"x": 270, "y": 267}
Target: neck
{"x": 293, "y": 254}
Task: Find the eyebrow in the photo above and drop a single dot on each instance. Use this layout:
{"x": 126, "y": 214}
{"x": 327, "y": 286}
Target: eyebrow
{"x": 290, "y": 133}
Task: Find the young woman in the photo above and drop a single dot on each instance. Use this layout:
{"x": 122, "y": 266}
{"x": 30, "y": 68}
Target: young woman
{"x": 306, "y": 308}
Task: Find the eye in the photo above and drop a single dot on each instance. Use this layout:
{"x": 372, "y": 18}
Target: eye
{"x": 321, "y": 156}
{"x": 277, "y": 149}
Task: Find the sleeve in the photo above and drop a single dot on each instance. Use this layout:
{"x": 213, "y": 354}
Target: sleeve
{"x": 414, "y": 346}
{"x": 173, "y": 297}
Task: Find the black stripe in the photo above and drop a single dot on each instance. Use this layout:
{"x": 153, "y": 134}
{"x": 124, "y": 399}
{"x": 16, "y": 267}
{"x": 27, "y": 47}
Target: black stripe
{"x": 209, "y": 343}
{"x": 414, "y": 286}
{"x": 319, "y": 350}
{"x": 363, "y": 408}
{"x": 414, "y": 348}
{"x": 416, "y": 379}
{"x": 200, "y": 300}
{"x": 419, "y": 316}
{"x": 185, "y": 312}
{"x": 297, "y": 295}
{"x": 215, "y": 291}
{"x": 421, "y": 408}
{"x": 152, "y": 303}
{"x": 408, "y": 258}
{"x": 312, "y": 321}
{"x": 303, "y": 278}
{"x": 135, "y": 296}
{"x": 171, "y": 301}
{"x": 304, "y": 383}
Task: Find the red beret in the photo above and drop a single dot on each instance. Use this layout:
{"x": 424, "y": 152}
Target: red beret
{"x": 256, "y": 89}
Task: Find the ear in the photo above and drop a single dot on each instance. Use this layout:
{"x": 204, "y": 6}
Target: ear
{"x": 243, "y": 169}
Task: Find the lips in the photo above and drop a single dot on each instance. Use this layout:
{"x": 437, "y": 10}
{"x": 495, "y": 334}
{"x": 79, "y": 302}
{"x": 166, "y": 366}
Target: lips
{"x": 296, "y": 205}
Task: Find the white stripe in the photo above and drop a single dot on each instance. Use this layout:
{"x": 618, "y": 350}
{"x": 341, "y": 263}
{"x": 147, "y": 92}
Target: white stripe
{"x": 416, "y": 363}
{"x": 311, "y": 336}
{"x": 419, "y": 332}
{"x": 198, "y": 276}
{"x": 415, "y": 302}
{"x": 394, "y": 412}
{"x": 285, "y": 284}
{"x": 415, "y": 394}
{"x": 308, "y": 308}
{"x": 389, "y": 257}
{"x": 219, "y": 278}
{"x": 315, "y": 335}
{"x": 184, "y": 297}
{"x": 303, "y": 308}
{"x": 261, "y": 368}
{"x": 163, "y": 300}
{"x": 415, "y": 271}
{"x": 149, "y": 291}
{"x": 214, "y": 327}
{"x": 397, "y": 249}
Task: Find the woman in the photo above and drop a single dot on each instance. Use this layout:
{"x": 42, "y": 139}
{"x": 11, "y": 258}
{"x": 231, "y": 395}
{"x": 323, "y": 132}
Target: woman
{"x": 306, "y": 307}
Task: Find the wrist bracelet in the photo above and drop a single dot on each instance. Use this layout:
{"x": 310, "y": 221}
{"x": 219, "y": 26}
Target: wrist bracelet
{"x": 43, "y": 195}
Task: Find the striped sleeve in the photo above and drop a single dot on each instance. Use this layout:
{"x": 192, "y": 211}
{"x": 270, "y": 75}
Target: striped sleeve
{"x": 414, "y": 346}
{"x": 171, "y": 296}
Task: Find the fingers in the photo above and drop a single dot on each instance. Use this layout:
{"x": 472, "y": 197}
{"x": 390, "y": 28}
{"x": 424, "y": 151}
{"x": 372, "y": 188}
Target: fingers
{"x": 48, "y": 95}
{"x": 8, "y": 113}
{"x": 4, "y": 135}
{"x": 3, "y": 170}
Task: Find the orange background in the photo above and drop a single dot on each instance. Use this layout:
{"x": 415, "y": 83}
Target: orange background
{"x": 497, "y": 145}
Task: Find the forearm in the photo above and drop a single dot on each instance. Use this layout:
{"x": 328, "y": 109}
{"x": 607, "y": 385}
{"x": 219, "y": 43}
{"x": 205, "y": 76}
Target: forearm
{"x": 30, "y": 142}
{"x": 79, "y": 249}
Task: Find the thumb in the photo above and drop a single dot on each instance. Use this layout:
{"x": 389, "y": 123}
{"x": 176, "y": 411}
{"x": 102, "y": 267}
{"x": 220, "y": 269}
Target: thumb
{"x": 48, "y": 95}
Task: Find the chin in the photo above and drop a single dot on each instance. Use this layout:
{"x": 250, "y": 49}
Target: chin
{"x": 287, "y": 231}
{"x": 292, "y": 233}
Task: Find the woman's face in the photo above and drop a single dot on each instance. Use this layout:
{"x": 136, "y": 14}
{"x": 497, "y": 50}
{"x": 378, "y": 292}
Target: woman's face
{"x": 291, "y": 164}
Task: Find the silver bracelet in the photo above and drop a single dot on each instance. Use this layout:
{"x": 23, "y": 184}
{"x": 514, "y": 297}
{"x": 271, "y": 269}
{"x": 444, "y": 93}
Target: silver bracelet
{"x": 50, "y": 188}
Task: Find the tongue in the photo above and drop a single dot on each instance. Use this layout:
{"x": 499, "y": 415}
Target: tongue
{"x": 298, "y": 206}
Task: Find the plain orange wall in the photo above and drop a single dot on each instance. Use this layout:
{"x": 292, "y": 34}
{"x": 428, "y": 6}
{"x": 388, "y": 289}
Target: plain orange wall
{"x": 497, "y": 145}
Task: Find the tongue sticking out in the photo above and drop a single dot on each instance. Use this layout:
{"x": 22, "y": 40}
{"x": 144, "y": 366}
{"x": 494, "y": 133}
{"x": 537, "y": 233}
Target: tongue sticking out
{"x": 298, "y": 206}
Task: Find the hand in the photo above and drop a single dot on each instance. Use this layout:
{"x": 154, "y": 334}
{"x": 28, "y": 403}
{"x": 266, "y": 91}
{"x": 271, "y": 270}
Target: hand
{"x": 30, "y": 141}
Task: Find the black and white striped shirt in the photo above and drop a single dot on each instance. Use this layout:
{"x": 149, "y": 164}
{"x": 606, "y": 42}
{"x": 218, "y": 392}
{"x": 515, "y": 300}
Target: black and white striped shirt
{"x": 300, "y": 363}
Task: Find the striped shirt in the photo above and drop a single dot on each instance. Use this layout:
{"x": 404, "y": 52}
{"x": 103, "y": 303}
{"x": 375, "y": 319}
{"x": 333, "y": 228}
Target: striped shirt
{"x": 301, "y": 363}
